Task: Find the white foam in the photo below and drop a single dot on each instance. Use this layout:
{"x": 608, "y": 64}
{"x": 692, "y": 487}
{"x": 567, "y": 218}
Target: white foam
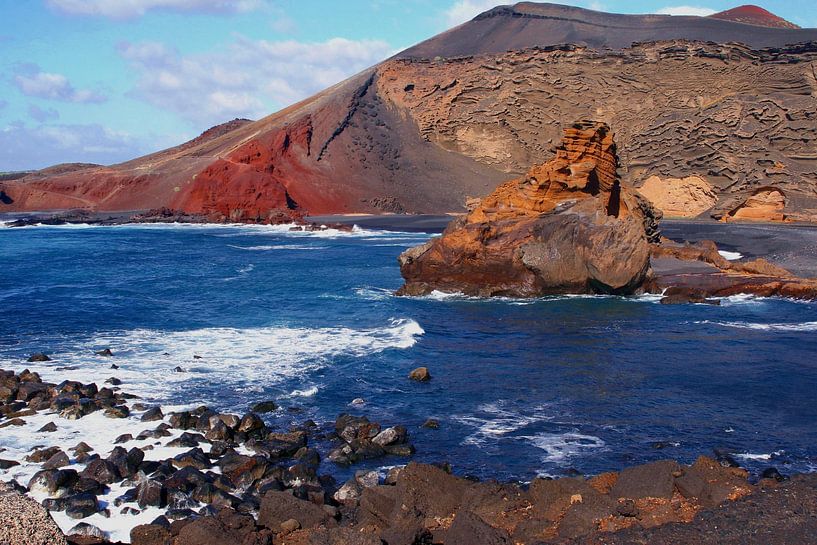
{"x": 268, "y": 247}
{"x": 229, "y": 356}
{"x": 783, "y": 327}
{"x": 559, "y": 447}
{"x": 730, "y": 256}
{"x": 494, "y": 421}
{"x": 308, "y": 392}
{"x": 758, "y": 457}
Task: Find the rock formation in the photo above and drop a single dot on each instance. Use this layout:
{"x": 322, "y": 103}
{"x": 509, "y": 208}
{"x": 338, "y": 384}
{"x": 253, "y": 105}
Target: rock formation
{"x": 765, "y": 204}
{"x": 568, "y": 226}
{"x": 454, "y": 116}
{"x": 679, "y": 197}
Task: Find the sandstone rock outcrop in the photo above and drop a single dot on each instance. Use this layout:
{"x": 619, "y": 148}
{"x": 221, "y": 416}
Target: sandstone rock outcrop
{"x": 765, "y": 204}
{"x": 679, "y": 197}
{"x": 568, "y": 226}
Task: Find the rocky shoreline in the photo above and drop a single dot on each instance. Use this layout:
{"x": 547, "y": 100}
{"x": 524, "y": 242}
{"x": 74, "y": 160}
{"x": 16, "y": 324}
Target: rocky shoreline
{"x": 206, "y": 478}
{"x": 162, "y": 215}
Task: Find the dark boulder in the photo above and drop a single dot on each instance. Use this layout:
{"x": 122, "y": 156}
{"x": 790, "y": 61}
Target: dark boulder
{"x": 151, "y": 493}
{"x": 102, "y": 471}
{"x": 152, "y": 414}
{"x": 38, "y": 357}
{"x": 653, "y": 480}
{"x": 150, "y": 534}
{"x": 470, "y": 529}
{"x": 277, "y": 507}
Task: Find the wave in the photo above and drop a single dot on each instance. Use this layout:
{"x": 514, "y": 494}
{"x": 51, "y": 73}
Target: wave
{"x": 266, "y": 248}
{"x": 494, "y": 421}
{"x": 559, "y": 447}
{"x": 234, "y": 356}
{"x": 759, "y": 457}
{"x": 801, "y": 326}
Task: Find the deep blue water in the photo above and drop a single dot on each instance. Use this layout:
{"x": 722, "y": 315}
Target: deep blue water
{"x": 519, "y": 387}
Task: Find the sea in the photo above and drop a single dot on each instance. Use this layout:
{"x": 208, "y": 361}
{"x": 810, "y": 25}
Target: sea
{"x": 231, "y": 315}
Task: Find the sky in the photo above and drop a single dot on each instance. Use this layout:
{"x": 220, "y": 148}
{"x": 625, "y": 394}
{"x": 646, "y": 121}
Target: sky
{"x": 104, "y": 81}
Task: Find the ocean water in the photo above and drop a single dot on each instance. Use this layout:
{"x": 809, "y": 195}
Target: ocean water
{"x": 520, "y": 388}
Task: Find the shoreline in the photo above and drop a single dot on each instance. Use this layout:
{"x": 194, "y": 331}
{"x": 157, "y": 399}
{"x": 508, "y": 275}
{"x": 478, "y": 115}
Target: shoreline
{"x": 202, "y": 468}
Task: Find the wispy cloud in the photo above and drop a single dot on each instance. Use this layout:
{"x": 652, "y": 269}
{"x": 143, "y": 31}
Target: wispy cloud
{"x": 686, "y": 10}
{"x": 23, "y": 147}
{"x": 127, "y": 9}
{"x": 247, "y": 78}
{"x": 33, "y": 82}
{"x": 465, "y": 10}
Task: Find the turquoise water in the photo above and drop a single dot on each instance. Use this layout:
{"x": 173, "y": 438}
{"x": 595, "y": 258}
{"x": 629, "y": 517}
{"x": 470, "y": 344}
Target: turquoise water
{"x": 520, "y": 388}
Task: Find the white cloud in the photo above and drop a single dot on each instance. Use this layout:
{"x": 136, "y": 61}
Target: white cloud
{"x": 686, "y": 10}
{"x": 465, "y": 10}
{"x": 125, "y": 9}
{"x": 247, "y": 79}
{"x": 33, "y": 82}
{"x": 24, "y": 148}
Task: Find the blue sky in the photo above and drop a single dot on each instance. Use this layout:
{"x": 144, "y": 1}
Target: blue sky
{"x": 107, "y": 80}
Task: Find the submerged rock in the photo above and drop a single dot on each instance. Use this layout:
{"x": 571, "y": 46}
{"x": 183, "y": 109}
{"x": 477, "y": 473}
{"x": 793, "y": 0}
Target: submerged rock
{"x": 567, "y": 226}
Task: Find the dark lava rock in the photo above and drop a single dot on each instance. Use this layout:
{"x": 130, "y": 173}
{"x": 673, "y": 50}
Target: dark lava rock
{"x": 113, "y": 381}
{"x": 193, "y": 458}
{"x": 183, "y": 420}
{"x": 83, "y": 529}
{"x": 277, "y": 507}
{"x": 470, "y": 529}
{"x": 126, "y": 461}
{"x": 152, "y": 414}
{"x": 227, "y": 527}
{"x": 41, "y": 455}
{"x": 58, "y": 460}
{"x": 50, "y": 427}
{"x": 51, "y": 480}
{"x": 151, "y": 493}
{"x": 102, "y": 471}
{"x": 80, "y": 506}
{"x": 250, "y": 422}
{"x": 186, "y": 439}
{"x": 6, "y": 464}
{"x": 124, "y": 438}
{"x": 118, "y": 411}
{"x": 39, "y": 356}
{"x": 772, "y": 473}
{"x": 150, "y": 534}
{"x": 264, "y": 407}
{"x": 105, "y": 352}
{"x": 679, "y": 295}
{"x": 654, "y": 480}
{"x": 431, "y": 424}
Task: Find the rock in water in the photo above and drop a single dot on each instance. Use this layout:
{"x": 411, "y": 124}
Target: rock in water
{"x": 568, "y": 226}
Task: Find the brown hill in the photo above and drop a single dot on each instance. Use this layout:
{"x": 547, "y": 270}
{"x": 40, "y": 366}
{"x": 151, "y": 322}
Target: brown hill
{"x": 754, "y": 15}
{"x": 455, "y": 115}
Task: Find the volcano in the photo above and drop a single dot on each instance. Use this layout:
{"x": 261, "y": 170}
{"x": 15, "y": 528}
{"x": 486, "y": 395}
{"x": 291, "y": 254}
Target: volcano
{"x": 448, "y": 119}
{"x": 754, "y": 15}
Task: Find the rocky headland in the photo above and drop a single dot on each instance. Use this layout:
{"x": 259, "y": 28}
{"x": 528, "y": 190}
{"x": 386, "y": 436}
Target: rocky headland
{"x": 571, "y": 225}
{"x": 235, "y": 480}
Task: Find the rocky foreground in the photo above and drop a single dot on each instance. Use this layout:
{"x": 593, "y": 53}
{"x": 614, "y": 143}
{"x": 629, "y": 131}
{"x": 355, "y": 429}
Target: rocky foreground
{"x": 238, "y": 481}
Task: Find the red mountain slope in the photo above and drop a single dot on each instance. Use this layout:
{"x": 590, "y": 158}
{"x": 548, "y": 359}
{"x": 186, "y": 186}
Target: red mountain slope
{"x": 754, "y": 15}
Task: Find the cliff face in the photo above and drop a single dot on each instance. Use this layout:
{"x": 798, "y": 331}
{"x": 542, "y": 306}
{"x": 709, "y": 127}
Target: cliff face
{"x": 567, "y": 226}
{"x": 420, "y": 135}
